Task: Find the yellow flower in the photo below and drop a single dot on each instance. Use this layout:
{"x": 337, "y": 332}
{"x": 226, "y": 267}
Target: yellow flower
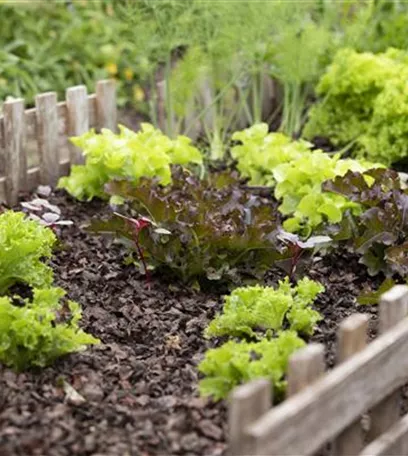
{"x": 111, "y": 68}
{"x": 128, "y": 74}
{"x": 138, "y": 93}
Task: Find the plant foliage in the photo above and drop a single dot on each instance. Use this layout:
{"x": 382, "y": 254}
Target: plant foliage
{"x": 41, "y": 330}
{"x": 200, "y": 229}
{"x": 379, "y": 232}
{"x": 24, "y": 244}
{"x": 250, "y": 309}
{"x": 363, "y": 100}
{"x": 297, "y": 174}
{"x": 238, "y": 362}
{"x": 127, "y": 155}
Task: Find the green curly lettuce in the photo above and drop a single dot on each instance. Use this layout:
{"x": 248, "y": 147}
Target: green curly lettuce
{"x": 297, "y": 173}
{"x": 35, "y": 334}
{"x": 24, "y": 244}
{"x": 386, "y": 139}
{"x": 127, "y": 155}
{"x": 234, "y": 363}
{"x": 299, "y": 187}
{"x": 250, "y": 309}
{"x": 348, "y": 91}
{"x": 259, "y": 152}
{"x": 364, "y": 99}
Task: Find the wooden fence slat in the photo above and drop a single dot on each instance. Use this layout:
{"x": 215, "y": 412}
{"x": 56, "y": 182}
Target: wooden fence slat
{"x": 14, "y": 149}
{"x": 47, "y": 136}
{"x": 393, "y": 309}
{"x": 336, "y": 400}
{"x": 394, "y": 442}
{"x": 247, "y": 403}
{"x": 352, "y": 338}
{"x": 106, "y": 104}
{"x": 305, "y": 367}
{"x": 78, "y": 118}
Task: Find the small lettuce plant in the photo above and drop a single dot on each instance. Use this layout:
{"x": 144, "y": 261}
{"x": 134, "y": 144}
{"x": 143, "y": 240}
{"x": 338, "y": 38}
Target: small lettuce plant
{"x": 36, "y": 332}
{"x": 24, "y": 245}
{"x": 296, "y": 172}
{"x": 266, "y": 324}
{"x": 235, "y": 363}
{"x": 198, "y": 230}
{"x": 250, "y": 311}
{"x": 127, "y": 155}
{"x": 379, "y": 232}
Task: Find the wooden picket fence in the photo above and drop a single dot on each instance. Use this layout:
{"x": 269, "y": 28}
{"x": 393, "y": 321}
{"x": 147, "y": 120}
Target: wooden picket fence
{"x": 352, "y": 410}
{"x": 48, "y": 125}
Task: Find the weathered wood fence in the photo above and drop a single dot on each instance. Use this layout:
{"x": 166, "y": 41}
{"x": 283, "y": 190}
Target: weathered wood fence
{"x": 352, "y": 410}
{"x": 48, "y": 125}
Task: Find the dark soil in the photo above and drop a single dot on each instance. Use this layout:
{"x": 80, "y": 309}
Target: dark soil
{"x": 140, "y": 384}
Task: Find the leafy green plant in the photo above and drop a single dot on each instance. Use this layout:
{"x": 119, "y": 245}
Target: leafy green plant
{"x": 297, "y": 174}
{"x": 299, "y": 185}
{"x": 378, "y": 233}
{"x": 201, "y": 229}
{"x": 296, "y": 253}
{"x": 238, "y": 362}
{"x": 24, "y": 244}
{"x": 386, "y": 137}
{"x": 35, "y": 333}
{"x": 259, "y": 152}
{"x": 248, "y": 310}
{"x": 127, "y": 155}
{"x": 363, "y": 101}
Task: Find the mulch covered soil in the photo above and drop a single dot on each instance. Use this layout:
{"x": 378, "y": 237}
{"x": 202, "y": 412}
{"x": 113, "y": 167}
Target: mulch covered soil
{"x": 140, "y": 384}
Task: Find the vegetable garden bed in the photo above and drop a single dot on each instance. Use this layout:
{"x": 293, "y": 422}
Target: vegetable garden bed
{"x": 140, "y": 386}
{"x": 137, "y": 392}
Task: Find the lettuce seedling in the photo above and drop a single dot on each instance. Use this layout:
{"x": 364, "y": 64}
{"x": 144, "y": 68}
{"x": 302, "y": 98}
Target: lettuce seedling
{"x": 202, "y": 230}
{"x": 252, "y": 311}
{"x": 24, "y": 245}
{"x": 127, "y": 155}
{"x": 45, "y": 213}
{"x": 234, "y": 363}
{"x": 298, "y": 250}
{"x": 40, "y": 331}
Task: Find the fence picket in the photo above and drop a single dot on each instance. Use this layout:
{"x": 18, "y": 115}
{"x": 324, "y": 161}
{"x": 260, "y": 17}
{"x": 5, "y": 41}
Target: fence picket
{"x": 78, "y": 118}
{"x": 393, "y": 308}
{"x": 352, "y": 338}
{"x": 106, "y": 110}
{"x": 305, "y": 367}
{"x": 247, "y": 403}
{"x": 47, "y": 137}
{"x": 14, "y": 149}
